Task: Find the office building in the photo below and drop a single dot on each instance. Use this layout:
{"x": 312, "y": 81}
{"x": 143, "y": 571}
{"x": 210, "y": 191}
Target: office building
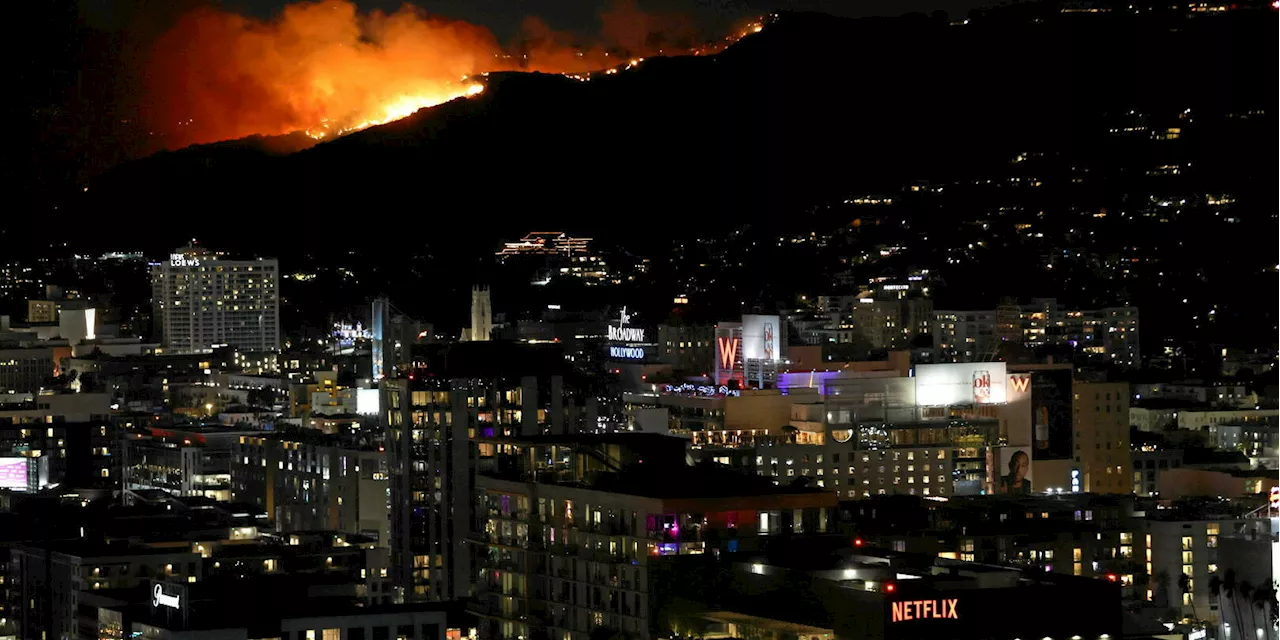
{"x": 181, "y": 461}
{"x": 162, "y": 464}
{"x": 307, "y": 480}
{"x": 201, "y": 300}
{"x": 26, "y": 370}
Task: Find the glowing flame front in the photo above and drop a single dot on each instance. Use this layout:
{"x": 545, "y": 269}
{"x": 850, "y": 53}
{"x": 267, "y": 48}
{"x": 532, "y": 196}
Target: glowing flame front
{"x": 325, "y": 69}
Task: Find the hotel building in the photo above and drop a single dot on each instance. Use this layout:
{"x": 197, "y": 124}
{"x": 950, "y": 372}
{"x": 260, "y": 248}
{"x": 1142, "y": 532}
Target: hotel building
{"x": 201, "y": 301}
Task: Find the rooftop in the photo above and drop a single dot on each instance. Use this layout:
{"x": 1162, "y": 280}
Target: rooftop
{"x": 232, "y": 603}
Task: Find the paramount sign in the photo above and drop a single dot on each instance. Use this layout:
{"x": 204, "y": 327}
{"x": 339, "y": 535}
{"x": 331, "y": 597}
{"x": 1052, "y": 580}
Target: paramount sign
{"x": 925, "y": 610}
{"x": 161, "y": 599}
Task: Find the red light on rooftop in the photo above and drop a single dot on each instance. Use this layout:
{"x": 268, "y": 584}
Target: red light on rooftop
{"x": 890, "y": 587}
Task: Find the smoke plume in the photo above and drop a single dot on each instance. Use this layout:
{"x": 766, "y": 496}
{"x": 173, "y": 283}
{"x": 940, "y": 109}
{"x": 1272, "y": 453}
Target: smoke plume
{"x": 324, "y": 67}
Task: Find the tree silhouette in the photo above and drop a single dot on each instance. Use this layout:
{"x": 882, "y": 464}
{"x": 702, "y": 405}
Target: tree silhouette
{"x": 1215, "y": 592}
{"x": 1229, "y": 589}
{"x": 1245, "y": 591}
{"x": 1184, "y": 585}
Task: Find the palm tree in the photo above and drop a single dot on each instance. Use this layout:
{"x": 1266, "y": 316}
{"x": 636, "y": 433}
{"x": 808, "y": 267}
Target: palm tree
{"x": 1274, "y": 617}
{"x": 1162, "y": 588}
{"x": 1215, "y": 593}
{"x": 1229, "y": 590}
{"x": 1264, "y": 598}
{"x": 1184, "y": 585}
{"x": 1246, "y": 594}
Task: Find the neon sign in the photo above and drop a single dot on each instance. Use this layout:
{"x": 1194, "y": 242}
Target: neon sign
{"x": 728, "y": 348}
{"x": 623, "y": 333}
{"x": 626, "y": 353}
{"x": 626, "y": 334}
{"x": 161, "y": 599}
{"x": 179, "y": 260}
{"x": 706, "y": 390}
{"x": 1020, "y": 384}
{"x": 925, "y": 609}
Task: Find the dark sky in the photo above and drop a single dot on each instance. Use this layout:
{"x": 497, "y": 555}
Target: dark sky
{"x": 503, "y": 16}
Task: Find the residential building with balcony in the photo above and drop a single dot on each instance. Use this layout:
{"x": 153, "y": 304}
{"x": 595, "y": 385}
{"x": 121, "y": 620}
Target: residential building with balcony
{"x": 569, "y": 530}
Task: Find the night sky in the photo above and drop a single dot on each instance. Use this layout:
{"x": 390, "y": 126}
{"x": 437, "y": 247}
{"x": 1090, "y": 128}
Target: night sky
{"x": 503, "y": 17}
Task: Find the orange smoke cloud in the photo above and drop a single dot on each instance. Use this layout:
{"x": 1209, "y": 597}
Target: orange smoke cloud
{"x": 324, "y": 68}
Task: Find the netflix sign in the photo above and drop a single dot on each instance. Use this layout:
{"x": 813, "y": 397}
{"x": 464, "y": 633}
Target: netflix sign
{"x": 925, "y": 609}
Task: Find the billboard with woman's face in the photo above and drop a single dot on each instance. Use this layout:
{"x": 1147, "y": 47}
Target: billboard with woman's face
{"x": 1014, "y": 471}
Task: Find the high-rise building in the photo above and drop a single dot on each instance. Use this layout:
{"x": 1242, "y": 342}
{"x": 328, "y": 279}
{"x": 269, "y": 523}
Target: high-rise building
{"x": 453, "y": 395}
{"x": 201, "y": 301}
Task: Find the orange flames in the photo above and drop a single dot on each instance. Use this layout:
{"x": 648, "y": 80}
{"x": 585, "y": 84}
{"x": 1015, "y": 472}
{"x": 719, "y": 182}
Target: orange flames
{"x": 325, "y": 69}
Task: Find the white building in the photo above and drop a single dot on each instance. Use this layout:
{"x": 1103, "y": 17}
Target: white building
{"x": 201, "y": 301}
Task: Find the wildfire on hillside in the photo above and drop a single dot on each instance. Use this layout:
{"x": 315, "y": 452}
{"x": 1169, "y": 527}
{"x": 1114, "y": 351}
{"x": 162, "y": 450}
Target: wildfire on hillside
{"x": 325, "y": 69}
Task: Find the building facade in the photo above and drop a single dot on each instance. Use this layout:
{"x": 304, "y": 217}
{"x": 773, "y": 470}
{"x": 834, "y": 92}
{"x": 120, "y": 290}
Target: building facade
{"x": 201, "y": 301}
{"x": 306, "y": 480}
{"x": 1108, "y": 335}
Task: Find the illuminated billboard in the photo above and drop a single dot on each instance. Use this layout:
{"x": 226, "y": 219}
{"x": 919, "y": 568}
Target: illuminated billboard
{"x": 762, "y": 338}
{"x": 1014, "y": 470}
{"x": 13, "y": 473}
{"x": 1051, "y": 414}
{"x": 961, "y": 383}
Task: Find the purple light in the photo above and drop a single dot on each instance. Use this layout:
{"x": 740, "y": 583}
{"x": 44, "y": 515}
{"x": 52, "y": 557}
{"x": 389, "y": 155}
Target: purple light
{"x": 806, "y": 380}
{"x": 13, "y": 473}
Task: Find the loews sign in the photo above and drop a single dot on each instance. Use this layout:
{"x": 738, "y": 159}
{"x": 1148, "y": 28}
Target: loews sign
{"x": 179, "y": 260}
{"x": 925, "y": 610}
